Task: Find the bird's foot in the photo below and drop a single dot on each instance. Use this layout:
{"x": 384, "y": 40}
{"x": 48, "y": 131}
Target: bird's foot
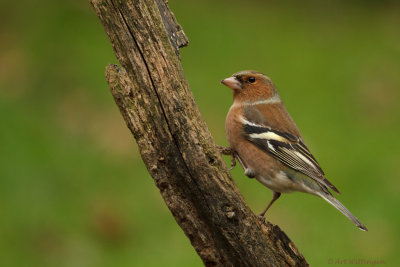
{"x": 229, "y": 152}
{"x": 225, "y": 150}
{"x": 261, "y": 217}
{"x": 233, "y": 161}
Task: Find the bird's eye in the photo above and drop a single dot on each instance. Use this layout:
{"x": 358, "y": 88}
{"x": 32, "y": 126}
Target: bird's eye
{"x": 251, "y": 79}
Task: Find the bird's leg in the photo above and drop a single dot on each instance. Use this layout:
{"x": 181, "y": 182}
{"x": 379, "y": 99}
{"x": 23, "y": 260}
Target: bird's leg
{"x": 230, "y": 152}
{"x": 225, "y": 150}
{"x": 274, "y": 198}
{"x": 234, "y": 155}
{"x": 249, "y": 172}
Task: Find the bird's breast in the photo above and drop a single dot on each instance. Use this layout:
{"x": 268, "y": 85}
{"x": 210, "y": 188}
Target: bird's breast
{"x": 233, "y": 126}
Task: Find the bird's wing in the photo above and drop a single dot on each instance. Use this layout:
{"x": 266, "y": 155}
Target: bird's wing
{"x": 286, "y": 147}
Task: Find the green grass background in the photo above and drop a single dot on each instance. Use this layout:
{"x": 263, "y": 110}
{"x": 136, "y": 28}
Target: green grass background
{"x": 73, "y": 188}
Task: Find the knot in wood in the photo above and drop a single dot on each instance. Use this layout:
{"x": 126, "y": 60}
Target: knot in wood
{"x": 230, "y": 214}
{"x": 153, "y": 168}
{"x": 229, "y": 211}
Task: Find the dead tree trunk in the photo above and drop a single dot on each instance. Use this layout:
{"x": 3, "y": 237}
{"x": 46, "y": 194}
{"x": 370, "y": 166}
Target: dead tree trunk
{"x": 157, "y": 104}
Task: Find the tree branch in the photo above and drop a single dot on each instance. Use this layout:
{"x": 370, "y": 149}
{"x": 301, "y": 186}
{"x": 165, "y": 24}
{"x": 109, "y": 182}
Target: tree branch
{"x": 158, "y": 107}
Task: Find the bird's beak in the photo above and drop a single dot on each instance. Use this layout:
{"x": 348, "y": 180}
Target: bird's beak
{"x": 232, "y": 83}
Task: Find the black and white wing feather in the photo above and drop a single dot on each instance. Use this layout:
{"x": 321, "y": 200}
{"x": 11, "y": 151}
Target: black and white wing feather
{"x": 287, "y": 148}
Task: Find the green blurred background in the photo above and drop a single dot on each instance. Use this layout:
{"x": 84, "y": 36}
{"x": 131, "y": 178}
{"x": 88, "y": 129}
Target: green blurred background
{"x": 74, "y": 191}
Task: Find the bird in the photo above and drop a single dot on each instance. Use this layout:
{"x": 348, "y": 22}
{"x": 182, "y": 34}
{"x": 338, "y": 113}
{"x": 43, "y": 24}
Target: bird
{"x": 265, "y": 140}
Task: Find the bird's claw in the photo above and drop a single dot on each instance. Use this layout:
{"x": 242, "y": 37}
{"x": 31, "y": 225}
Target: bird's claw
{"x": 229, "y": 152}
{"x": 225, "y": 150}
{"x": 261, "y": 217}
{"x": 233, "y": 161}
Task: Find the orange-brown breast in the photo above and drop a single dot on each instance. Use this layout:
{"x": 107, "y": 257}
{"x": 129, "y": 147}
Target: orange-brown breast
{"x": 253, "y": 157}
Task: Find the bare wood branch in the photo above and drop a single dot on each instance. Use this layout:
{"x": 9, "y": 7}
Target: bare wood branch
{"x": 157, "y": 104}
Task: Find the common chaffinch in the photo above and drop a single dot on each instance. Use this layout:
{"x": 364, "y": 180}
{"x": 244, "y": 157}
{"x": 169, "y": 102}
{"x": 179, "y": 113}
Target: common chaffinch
{"x": 267, "y": 143}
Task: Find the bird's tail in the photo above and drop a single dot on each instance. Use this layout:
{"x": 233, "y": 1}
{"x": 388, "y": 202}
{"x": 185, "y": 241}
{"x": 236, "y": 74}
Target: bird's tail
{"x": 336, "y": 203}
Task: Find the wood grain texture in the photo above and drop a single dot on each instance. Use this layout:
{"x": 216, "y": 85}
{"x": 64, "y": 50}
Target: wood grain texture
{"x": 175, "y": 144}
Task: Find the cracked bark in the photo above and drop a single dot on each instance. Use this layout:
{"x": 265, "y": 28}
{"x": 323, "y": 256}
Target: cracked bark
{"x": 158, "y": 107}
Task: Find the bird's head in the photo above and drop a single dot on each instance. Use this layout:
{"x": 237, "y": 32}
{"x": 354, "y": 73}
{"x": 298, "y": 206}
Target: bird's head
{"x": 250, "y": 85}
